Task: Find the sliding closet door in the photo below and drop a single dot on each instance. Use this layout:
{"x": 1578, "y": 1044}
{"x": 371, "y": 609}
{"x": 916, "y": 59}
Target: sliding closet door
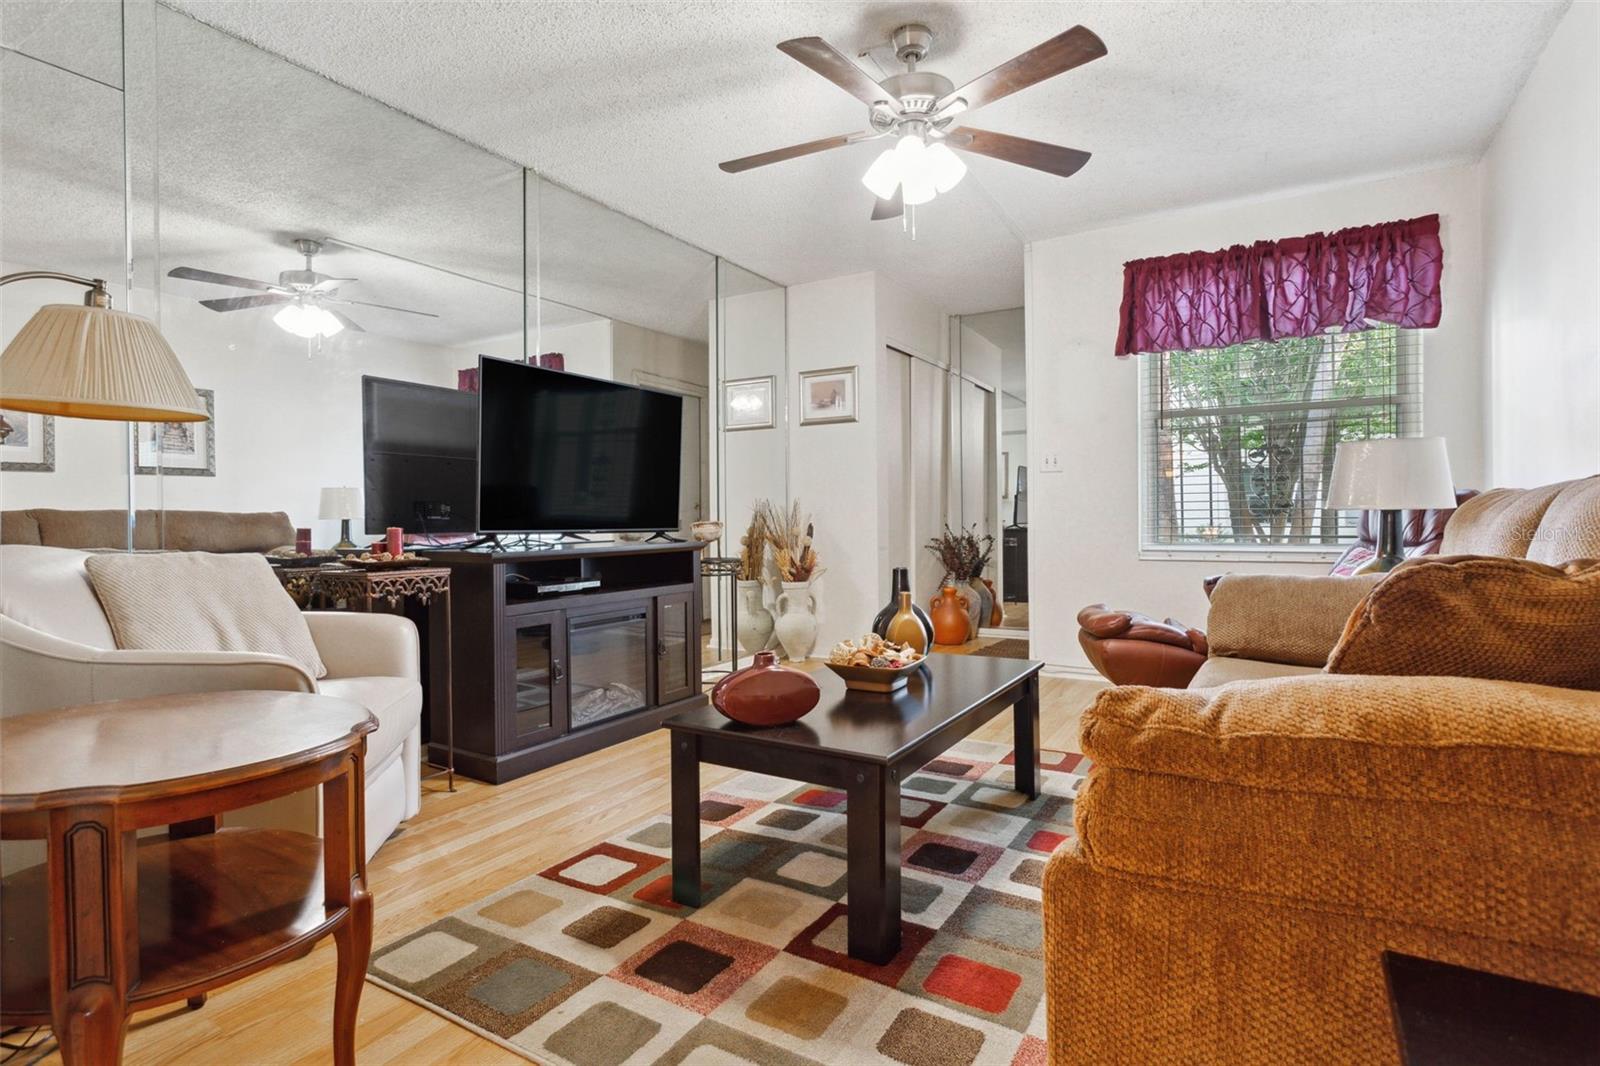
{"x": 928, "y": 431}
{"x": 894, "y": 446}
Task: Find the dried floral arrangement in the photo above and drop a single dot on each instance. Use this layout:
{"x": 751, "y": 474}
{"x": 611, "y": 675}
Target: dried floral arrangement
{"x": 791, "y": 539}
{"x": 753, "y": 545}
{"x": 964, "y": 555}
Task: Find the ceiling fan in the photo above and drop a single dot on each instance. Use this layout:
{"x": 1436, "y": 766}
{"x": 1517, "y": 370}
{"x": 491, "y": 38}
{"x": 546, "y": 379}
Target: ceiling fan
{"x": 919, "y": 108}
{"x": 304, "y": 295}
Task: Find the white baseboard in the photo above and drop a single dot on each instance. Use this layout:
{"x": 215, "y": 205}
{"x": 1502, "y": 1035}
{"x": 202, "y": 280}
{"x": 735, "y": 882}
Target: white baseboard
{"x": 1087, "y": 673}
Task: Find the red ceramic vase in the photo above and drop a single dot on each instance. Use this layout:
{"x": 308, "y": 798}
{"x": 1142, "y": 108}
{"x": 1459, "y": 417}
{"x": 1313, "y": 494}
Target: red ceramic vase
{"x": 766, "y": 693}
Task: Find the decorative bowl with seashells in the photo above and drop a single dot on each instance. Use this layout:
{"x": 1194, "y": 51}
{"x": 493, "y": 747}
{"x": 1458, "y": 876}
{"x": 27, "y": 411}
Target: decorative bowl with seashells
{"x": 873, "y": 664}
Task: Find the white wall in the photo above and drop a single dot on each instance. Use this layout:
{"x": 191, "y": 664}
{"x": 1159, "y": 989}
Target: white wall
{"x": 1084, "y": 401}
{"x": 833, "y": 467}
{"x": 1541, "y": 184}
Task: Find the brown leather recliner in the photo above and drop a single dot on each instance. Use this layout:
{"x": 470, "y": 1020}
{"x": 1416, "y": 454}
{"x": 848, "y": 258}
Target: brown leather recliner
{"x": 1129, "y": 648}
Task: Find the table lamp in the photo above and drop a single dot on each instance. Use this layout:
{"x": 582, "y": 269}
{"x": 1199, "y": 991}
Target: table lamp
{"x": 340, "y": 502}
{"x": 1389, "y": 476}
{"x": 88, "y": 361}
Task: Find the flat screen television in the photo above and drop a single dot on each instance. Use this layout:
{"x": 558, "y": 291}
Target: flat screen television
{"x": 564, "y": 453}
{"x": 420, "y": 449}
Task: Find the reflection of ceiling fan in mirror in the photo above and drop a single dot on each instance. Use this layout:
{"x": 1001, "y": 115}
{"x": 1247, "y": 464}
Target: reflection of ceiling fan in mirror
{"x": 918, "y": 109}
{"x": 303, "y": 294}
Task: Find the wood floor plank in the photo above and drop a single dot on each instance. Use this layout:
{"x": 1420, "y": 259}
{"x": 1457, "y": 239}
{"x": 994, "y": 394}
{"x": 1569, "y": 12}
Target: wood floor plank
{"x": 462, "y": 847}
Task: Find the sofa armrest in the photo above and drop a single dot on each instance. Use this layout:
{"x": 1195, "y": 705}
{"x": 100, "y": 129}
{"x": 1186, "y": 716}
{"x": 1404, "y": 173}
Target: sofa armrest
{"x": 1459, "y": 803}
{"x": 354, "y": 644}
{"x": 1282, "y": 618}
{"x": 40, "y": 672}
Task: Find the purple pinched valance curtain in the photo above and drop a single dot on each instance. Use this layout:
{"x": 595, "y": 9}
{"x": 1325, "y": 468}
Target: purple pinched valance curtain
{"x": 1295, "y": 287}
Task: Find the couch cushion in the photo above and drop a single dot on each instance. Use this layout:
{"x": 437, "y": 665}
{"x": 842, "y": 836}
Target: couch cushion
{"x": 1498, "y": 522}
{"x": 195, "y": 601}
{"x": 395, "y": 701}
{"x": 1223, "y": 669}
{"x": 1570, "y": 528}
{"x": 1282, "y": 618}
{"x": 18, "y": 527}
{"x": 48, "y": 589}
{"x": 1476, "y": 616}
{"x": 1452, "y": 802}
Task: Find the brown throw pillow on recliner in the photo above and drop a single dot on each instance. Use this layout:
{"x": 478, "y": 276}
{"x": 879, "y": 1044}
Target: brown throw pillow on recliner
{"x": 1479, "y": 616}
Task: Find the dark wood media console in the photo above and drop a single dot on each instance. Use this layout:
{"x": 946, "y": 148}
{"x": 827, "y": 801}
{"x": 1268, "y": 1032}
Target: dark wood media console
{"x": 544, "y": 677}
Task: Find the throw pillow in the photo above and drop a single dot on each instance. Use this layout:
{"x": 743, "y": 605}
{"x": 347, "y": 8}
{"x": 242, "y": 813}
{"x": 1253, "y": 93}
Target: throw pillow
{"x": 1479, "y": 616}
{"x": 196, "y": 601}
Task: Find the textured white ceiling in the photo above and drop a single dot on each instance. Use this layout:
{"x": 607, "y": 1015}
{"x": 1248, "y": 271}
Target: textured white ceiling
{"x": 635, "y": 103}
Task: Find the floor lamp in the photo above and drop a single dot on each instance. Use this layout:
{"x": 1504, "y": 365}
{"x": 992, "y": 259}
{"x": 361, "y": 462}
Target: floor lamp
{"x": 88, "y": 361}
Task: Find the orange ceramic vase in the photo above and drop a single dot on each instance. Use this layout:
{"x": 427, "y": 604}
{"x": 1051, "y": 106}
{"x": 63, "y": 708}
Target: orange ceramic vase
{"x": 998, "y": 614}
{"x": 949, "y": 612}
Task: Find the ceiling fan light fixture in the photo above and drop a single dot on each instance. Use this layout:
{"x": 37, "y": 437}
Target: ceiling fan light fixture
{"x": 945, "y": 166}
{"x": 918, "y": 188}
{"x": 883, "y": 175}
{"x": 308, "y": 321}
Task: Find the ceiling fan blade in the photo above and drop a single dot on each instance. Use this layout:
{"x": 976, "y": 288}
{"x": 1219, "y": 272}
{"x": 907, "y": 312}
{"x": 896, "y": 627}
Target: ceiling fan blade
{"x": 795, "y": 151}
{"x": 239, "y": 303}
{"x": 345, "y": 320}
{"x": 1062, "y": 52}
{"x": 196, "y": 274}
{"x": 831, "y": 63}
{"x": 381, "y": 307}
{"x": 893, "y": 207}
{"x": 1051, "y": 158}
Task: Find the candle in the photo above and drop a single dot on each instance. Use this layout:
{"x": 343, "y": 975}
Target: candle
{"x": 302, "y": 541}
{"x": 396, "y": 540}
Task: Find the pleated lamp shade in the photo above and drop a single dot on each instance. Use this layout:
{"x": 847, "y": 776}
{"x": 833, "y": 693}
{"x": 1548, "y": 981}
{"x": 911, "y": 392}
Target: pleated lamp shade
{"x": 93, "y": 362}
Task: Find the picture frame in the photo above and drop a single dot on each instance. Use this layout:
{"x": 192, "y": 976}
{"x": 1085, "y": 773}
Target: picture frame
{"x": 828, "y": 396}
{"x": 31, "y": 444}
{"x": 748, "y": 403}
{"x": 183, "y": 449}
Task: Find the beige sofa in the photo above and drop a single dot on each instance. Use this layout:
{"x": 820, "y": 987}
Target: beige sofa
{"x": 57, "y": 650}
{"x": 181, "y": 531}
{"x": 1275, "y": 626}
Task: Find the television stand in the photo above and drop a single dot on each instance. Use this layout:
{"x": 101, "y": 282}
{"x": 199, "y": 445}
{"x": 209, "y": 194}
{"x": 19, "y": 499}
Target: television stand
{"x": 567, "y": 648}
{"x": 662, "y": 535}
{"x": 577, "y": 538}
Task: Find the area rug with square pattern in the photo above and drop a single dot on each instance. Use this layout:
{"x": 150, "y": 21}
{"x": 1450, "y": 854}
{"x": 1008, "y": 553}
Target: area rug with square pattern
{"x": 591, "y": 963}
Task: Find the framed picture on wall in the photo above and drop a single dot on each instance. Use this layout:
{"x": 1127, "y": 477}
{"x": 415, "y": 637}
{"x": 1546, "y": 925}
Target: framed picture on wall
{"x": 31, "y": 443}
{"x": 828, "y": 395}
{"x": 747, "y": 403}
{"x": 181, "y": 448}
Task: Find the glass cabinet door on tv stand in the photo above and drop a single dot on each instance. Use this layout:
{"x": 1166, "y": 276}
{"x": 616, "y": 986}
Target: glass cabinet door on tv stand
{"x": 538, "y": 678}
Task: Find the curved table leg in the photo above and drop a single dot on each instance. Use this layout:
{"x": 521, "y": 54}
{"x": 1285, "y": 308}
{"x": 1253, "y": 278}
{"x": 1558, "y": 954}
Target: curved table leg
{"x": 344, "y": 867}
{"x": 94, "y": 947}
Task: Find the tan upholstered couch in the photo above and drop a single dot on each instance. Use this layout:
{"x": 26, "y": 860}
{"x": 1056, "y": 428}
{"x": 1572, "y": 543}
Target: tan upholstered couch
{"x": 1276, "y": 626}
{"x": 1246, "y": 854}
{"x": 183, "y": 531}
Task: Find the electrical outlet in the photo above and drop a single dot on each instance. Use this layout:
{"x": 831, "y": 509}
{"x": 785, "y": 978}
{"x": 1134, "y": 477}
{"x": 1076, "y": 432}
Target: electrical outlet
{"x": 1050, "y": 463}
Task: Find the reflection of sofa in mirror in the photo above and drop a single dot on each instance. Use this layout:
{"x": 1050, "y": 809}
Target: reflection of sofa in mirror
{"x": 57, "y": 650}
{"x": 201, "y": 531}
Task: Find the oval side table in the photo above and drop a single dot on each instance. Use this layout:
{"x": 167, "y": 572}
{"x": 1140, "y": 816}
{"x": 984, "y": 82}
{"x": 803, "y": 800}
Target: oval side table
{"x": 110, "y": 924}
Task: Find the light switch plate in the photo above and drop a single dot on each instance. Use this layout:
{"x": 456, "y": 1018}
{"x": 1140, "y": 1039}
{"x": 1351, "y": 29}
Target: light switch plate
{"x": 1050, "y": 463}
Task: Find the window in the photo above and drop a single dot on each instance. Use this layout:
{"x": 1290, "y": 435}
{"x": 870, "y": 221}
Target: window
{"x": 1239, "y": 441}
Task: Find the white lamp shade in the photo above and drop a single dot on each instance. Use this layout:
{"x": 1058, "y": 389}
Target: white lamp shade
{"x": 1397, "y": 474}
{"x": 93, "y": 362}
{"x": 339, "y": 502}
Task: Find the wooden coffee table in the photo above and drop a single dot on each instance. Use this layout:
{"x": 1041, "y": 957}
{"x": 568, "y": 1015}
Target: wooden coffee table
{"x": 111, "y": 923}
{"x": 864, "y": 744}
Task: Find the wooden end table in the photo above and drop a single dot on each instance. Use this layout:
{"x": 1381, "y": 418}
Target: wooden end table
{"x": 110, "y": 924}
{"x": 864, "y": 744}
